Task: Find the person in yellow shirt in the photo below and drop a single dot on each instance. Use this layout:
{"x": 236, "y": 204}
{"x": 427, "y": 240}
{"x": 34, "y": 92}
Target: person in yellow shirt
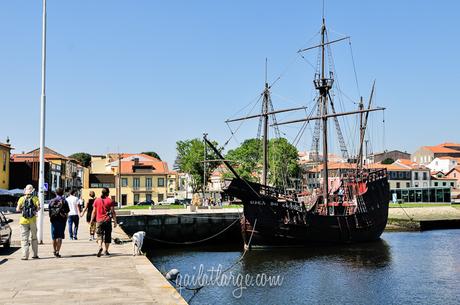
{"x": 28, "y": 205}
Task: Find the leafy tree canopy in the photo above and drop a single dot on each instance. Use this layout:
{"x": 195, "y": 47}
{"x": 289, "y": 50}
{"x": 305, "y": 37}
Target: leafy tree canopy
{"x": 151, "y": 154}
{"x": 388, "y": 161}
{"x": 83, "y": 158}
{"x": 247, "y": 159}
{"x": 282, "y": 161}
{"x": 190, "y": 157}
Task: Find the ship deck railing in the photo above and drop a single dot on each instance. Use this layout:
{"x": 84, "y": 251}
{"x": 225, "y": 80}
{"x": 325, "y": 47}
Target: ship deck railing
{"x": 365, "y": 175}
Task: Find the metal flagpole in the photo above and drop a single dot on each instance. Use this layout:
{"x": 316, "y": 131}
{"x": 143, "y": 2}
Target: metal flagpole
{"x": 41, "y": 178}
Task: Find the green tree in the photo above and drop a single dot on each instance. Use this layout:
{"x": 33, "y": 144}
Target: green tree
{"x": 247, "y": 159}
{"x": 82, "y": 157}
{"x": 190, "y": 157}
{"x": 152, "y": 154}
{"x": 388, "y": 161}
{"x": 283, "y": 162}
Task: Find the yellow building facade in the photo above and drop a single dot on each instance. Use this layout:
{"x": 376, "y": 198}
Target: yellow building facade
{"x": 140, "y": 178}
{"x": 5, "y": 166}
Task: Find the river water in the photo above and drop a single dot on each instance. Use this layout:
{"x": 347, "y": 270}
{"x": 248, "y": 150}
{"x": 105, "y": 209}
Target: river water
{"x": 401, "y": 268}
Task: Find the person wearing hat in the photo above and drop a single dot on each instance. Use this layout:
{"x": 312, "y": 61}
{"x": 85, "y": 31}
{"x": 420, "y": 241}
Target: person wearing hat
{"x": 28, "y": 205}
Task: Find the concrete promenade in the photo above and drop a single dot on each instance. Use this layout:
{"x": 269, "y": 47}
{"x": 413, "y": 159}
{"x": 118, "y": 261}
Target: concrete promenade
{"x": 79, "y": 277}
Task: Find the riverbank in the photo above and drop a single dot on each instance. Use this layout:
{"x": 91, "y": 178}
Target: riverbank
{"x": 409, "y": 219}
{"x": 79, "y": 277}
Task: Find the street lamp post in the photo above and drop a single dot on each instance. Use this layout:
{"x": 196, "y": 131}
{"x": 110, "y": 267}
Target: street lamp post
{"x": 41, "y": 178}
{"x": 204, "y": 167}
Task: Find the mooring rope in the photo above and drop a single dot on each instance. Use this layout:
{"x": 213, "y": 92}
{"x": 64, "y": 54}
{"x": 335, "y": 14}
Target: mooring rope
{"x": 197, "y": 241}
{"x": 410, "y": 218}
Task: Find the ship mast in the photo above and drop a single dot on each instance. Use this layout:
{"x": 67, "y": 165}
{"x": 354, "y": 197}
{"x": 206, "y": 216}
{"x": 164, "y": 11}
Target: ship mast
{"x": 265, "y": 132}
{"x": 361, "y": 134}
{"x": 363, "y": 125}
{"x": 265, "y": 116}
{"x": 323, "y": 85}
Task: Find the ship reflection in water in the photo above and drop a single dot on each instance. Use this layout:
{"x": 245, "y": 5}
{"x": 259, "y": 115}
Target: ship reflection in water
{"x": 375, "y": 254}
{"x": 401, "y": 268}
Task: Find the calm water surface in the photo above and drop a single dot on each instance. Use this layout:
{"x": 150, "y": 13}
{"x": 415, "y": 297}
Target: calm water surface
{"x": 402, "y": 268}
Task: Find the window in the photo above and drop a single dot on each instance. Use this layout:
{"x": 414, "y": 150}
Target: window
{"x": 161, "y": 197}
{"x": 401, "y": 174}
{"x": 161, "y": 181}
{"x": 444, "y": 184}
{"x": 435, "y": 184}
{"x": 148, "y": 197}
{"x": 148, "y": 183}
{"x": 99, "y": 185}
{"x": 398, "y": 185}
{"x": 136, "y": 197}
{"x": 452, "y": 184}
{"x": 124, "y": 182}
{"x": 425, "y": 177}
{"x": 407, "y": 184}
{"x": 136, "y": 184}
{"x": 416, "y": 176}
{"x": 455, "y": 175}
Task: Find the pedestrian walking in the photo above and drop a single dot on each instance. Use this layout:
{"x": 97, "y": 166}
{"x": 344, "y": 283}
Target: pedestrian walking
{"x": 103, "y": 213}
{"x": 89, "y": 212}
{"x": 28, "y": 205}
{"x": 81, "y": 202}
{"x": 74, "y": 214}
{"x": 58, "y": 210}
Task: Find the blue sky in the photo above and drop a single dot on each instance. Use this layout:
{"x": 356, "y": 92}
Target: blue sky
{"x": 139, "y": 75}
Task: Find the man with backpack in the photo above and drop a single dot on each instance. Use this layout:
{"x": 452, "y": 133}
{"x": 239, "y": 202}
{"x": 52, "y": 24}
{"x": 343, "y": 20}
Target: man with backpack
{"x": 28, "y": 205}
{"x": 58, "y": 210}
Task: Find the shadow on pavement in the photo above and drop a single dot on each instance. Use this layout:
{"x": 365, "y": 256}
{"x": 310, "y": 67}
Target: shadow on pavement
{"x": 8, "y": 251}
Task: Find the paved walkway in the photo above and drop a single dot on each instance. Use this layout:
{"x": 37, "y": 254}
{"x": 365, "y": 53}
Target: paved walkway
{"x": 425, "y": 213}
{"x": 79, "y": 277}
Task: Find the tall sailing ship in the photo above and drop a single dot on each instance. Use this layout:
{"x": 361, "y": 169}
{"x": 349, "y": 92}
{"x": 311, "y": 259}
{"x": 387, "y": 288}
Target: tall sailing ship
{"x": 346, "y": 209}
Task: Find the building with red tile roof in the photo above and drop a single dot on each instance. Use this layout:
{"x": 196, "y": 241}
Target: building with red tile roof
{"x": 60, "y": 170}
{"x": 454, "y": 173}
{"x": 132, "y": 178}
{"x": 426, "y": 154}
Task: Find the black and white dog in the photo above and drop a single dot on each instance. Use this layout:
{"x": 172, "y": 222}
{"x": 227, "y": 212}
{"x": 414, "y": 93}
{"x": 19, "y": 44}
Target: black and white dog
{"x": 138, "y": 241}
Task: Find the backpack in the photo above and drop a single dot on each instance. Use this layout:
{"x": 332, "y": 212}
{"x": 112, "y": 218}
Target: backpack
{"x": 29, "y": 208}
{"x": 55, "y": 209}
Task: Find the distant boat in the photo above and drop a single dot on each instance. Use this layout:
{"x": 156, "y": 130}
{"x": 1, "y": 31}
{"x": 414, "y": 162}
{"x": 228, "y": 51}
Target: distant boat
{"x": 347, "y": 209}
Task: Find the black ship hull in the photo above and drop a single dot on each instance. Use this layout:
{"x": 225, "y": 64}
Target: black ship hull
{"x": 269, "y": 222}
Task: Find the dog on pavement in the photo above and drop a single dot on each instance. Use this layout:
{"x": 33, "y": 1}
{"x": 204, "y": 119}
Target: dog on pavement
{"x": 138, "y": 241}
